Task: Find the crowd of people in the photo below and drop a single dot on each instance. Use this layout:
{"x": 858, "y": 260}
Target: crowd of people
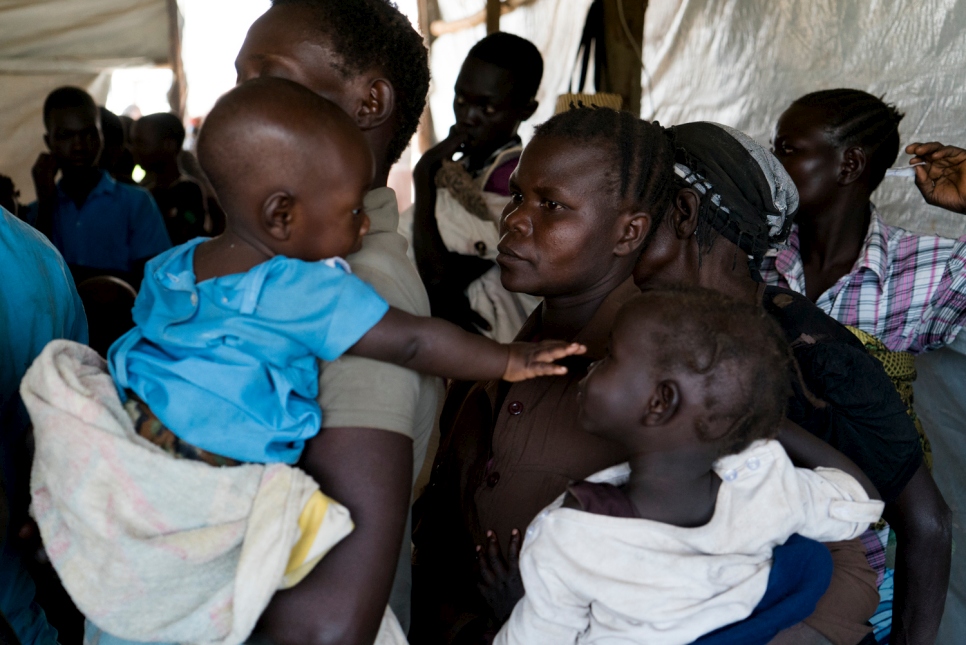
{"x": 678, "y": 365}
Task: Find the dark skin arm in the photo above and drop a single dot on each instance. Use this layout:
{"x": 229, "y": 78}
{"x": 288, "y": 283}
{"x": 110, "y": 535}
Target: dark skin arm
{"x": 923, "y": 525}
{"x": 500, "y": 582}
{"x": 45, "y": 183}
{"x": 808, "y": 451}
{"x": 434, "y": 346}
{"x": 428, "y": 244}
{"x": 942, "y": 181}
{"x": 445, "y": 274}
{"x": 343, "y": 599}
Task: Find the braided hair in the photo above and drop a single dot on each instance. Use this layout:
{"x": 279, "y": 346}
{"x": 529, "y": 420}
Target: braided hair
{"x": 739, "y": 351}
{"x": 857, "y": 118}
{"x": 643, "y": 165}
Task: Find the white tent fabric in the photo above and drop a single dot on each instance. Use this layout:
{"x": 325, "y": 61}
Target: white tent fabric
{"x": 48, "y": 43}
{"x": 554, "y": 27}
{"x": 741, "y": 62}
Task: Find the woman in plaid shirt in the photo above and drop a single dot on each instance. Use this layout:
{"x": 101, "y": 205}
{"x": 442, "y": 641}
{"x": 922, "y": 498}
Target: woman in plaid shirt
{"x": 907, "y": 290}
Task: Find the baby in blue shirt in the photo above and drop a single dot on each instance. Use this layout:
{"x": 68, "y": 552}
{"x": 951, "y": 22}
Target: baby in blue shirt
{"x": 229, "y": 330}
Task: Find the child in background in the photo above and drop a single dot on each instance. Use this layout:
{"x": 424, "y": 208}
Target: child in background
{"x": 458, "y": 204}
{"x": 99, "y": 225}
{"x": 116, "y": 157}
{"x": 229, "y": 330}
{"x": 156, "y": 140}
{"x": 678, "y": 542}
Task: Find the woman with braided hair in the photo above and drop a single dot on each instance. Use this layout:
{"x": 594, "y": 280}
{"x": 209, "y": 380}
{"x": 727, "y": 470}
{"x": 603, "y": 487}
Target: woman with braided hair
{"x": 582, "y": 196}
{"x": 592, "y": 190}
{"x": 733, "y": 200}
{"x": 907, "y": 290}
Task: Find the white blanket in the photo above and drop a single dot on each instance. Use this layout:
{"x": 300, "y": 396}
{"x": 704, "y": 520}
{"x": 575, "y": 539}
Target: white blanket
{"x": 153, "y": 548}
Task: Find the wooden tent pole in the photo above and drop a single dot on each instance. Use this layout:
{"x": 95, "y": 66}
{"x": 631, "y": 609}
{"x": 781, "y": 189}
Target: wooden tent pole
{"x": 493, "y": 16}
{"x": 178, "y": 92}
{"x": 623, "y": 21}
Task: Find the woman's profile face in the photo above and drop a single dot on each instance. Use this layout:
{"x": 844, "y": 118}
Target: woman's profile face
{"x": 559, "y": 231}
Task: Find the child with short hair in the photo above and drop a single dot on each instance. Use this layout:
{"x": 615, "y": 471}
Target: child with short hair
{"x": 229, "y": 330}
{"x": 100, "y": 226}
{"x": 156, "y": 140}
{"x": 678, "y": 542}
{"x": 222, "y": 368}
{"x": 458, "y": 204}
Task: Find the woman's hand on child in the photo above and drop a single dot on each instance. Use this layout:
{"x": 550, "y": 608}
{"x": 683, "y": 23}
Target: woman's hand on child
{"x": 942, "y": 180}
{"x": 530, "y": 360}
{"x": 500, "y": 581}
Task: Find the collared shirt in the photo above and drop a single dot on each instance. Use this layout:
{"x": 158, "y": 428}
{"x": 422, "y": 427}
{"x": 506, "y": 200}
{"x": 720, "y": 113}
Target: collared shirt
{"x": 117, "y": 225}
{"x": 595, "y": 578}
{"x": 907, "y": 290}
{"x": 496, "y": 170}
{"x": 230, "y": 364}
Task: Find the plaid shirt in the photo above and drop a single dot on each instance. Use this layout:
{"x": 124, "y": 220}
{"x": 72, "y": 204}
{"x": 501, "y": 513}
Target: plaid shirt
{"x": 908, "y": 290}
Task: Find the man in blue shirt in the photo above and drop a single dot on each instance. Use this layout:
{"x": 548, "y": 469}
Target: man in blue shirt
{"x": 38, "y": 303}
{"x": 99, "y": 225}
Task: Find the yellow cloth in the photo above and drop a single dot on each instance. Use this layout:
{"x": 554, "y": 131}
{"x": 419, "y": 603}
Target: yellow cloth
{"x": 322, "y": 524}
{"x": 901, "y": 368}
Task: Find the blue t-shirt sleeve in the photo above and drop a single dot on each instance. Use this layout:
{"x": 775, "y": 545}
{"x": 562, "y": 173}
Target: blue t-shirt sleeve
{"x": 148, "y": 236}
{"x": 322, "y": 307}
{"x": 358, "y": 309}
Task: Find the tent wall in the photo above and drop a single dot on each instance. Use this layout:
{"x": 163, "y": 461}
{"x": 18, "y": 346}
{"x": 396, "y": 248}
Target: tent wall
{"x": 48, "y": 43}
{"x": 741, "y": 62}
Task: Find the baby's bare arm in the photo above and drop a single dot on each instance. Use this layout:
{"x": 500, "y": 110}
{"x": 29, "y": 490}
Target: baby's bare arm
{"x": 434, "y": 346}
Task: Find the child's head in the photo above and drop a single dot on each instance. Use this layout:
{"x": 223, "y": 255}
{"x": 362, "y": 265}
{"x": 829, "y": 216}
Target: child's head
{"x": 836, "y": 138}
{"x": 582, "y": 198}
{"x": 688, "y": 368}
{"x": 289, "y": 167}
{"x": 156, "y": 140}
{"x": 496, "y": 89}
{"x": 73, "y": 125}
{"x": 113, "y": 134}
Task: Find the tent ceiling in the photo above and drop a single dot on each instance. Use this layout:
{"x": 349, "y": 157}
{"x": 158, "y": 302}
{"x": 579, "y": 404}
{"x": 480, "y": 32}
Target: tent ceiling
{"x": 48, "y": 43}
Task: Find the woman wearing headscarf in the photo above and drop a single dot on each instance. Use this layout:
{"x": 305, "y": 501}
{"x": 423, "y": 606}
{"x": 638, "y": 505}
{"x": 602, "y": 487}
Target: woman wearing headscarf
{"x": 732, "y": 202}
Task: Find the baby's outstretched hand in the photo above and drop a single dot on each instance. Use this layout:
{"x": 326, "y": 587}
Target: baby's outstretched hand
{"x": 530, "y": 360}
{"x": 500, "y": 581}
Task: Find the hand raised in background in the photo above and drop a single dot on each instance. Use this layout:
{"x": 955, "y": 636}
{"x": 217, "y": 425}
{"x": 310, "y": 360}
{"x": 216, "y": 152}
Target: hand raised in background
{"x": 942, "y": 178}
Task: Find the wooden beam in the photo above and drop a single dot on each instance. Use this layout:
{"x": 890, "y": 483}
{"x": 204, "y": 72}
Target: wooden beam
{"x": 624, "y": 35}
{"x": 440, "y": 27}
{"x": 177, "y": 94}
{"x": 493, "y": 16}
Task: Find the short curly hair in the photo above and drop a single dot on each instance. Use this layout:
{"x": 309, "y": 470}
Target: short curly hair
{"x": 738, "y": 350}
{"x": 374, "y": 34}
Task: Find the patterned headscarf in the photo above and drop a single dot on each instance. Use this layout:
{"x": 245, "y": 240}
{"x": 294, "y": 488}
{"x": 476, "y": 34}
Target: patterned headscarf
{"x": 746, "y": 194}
